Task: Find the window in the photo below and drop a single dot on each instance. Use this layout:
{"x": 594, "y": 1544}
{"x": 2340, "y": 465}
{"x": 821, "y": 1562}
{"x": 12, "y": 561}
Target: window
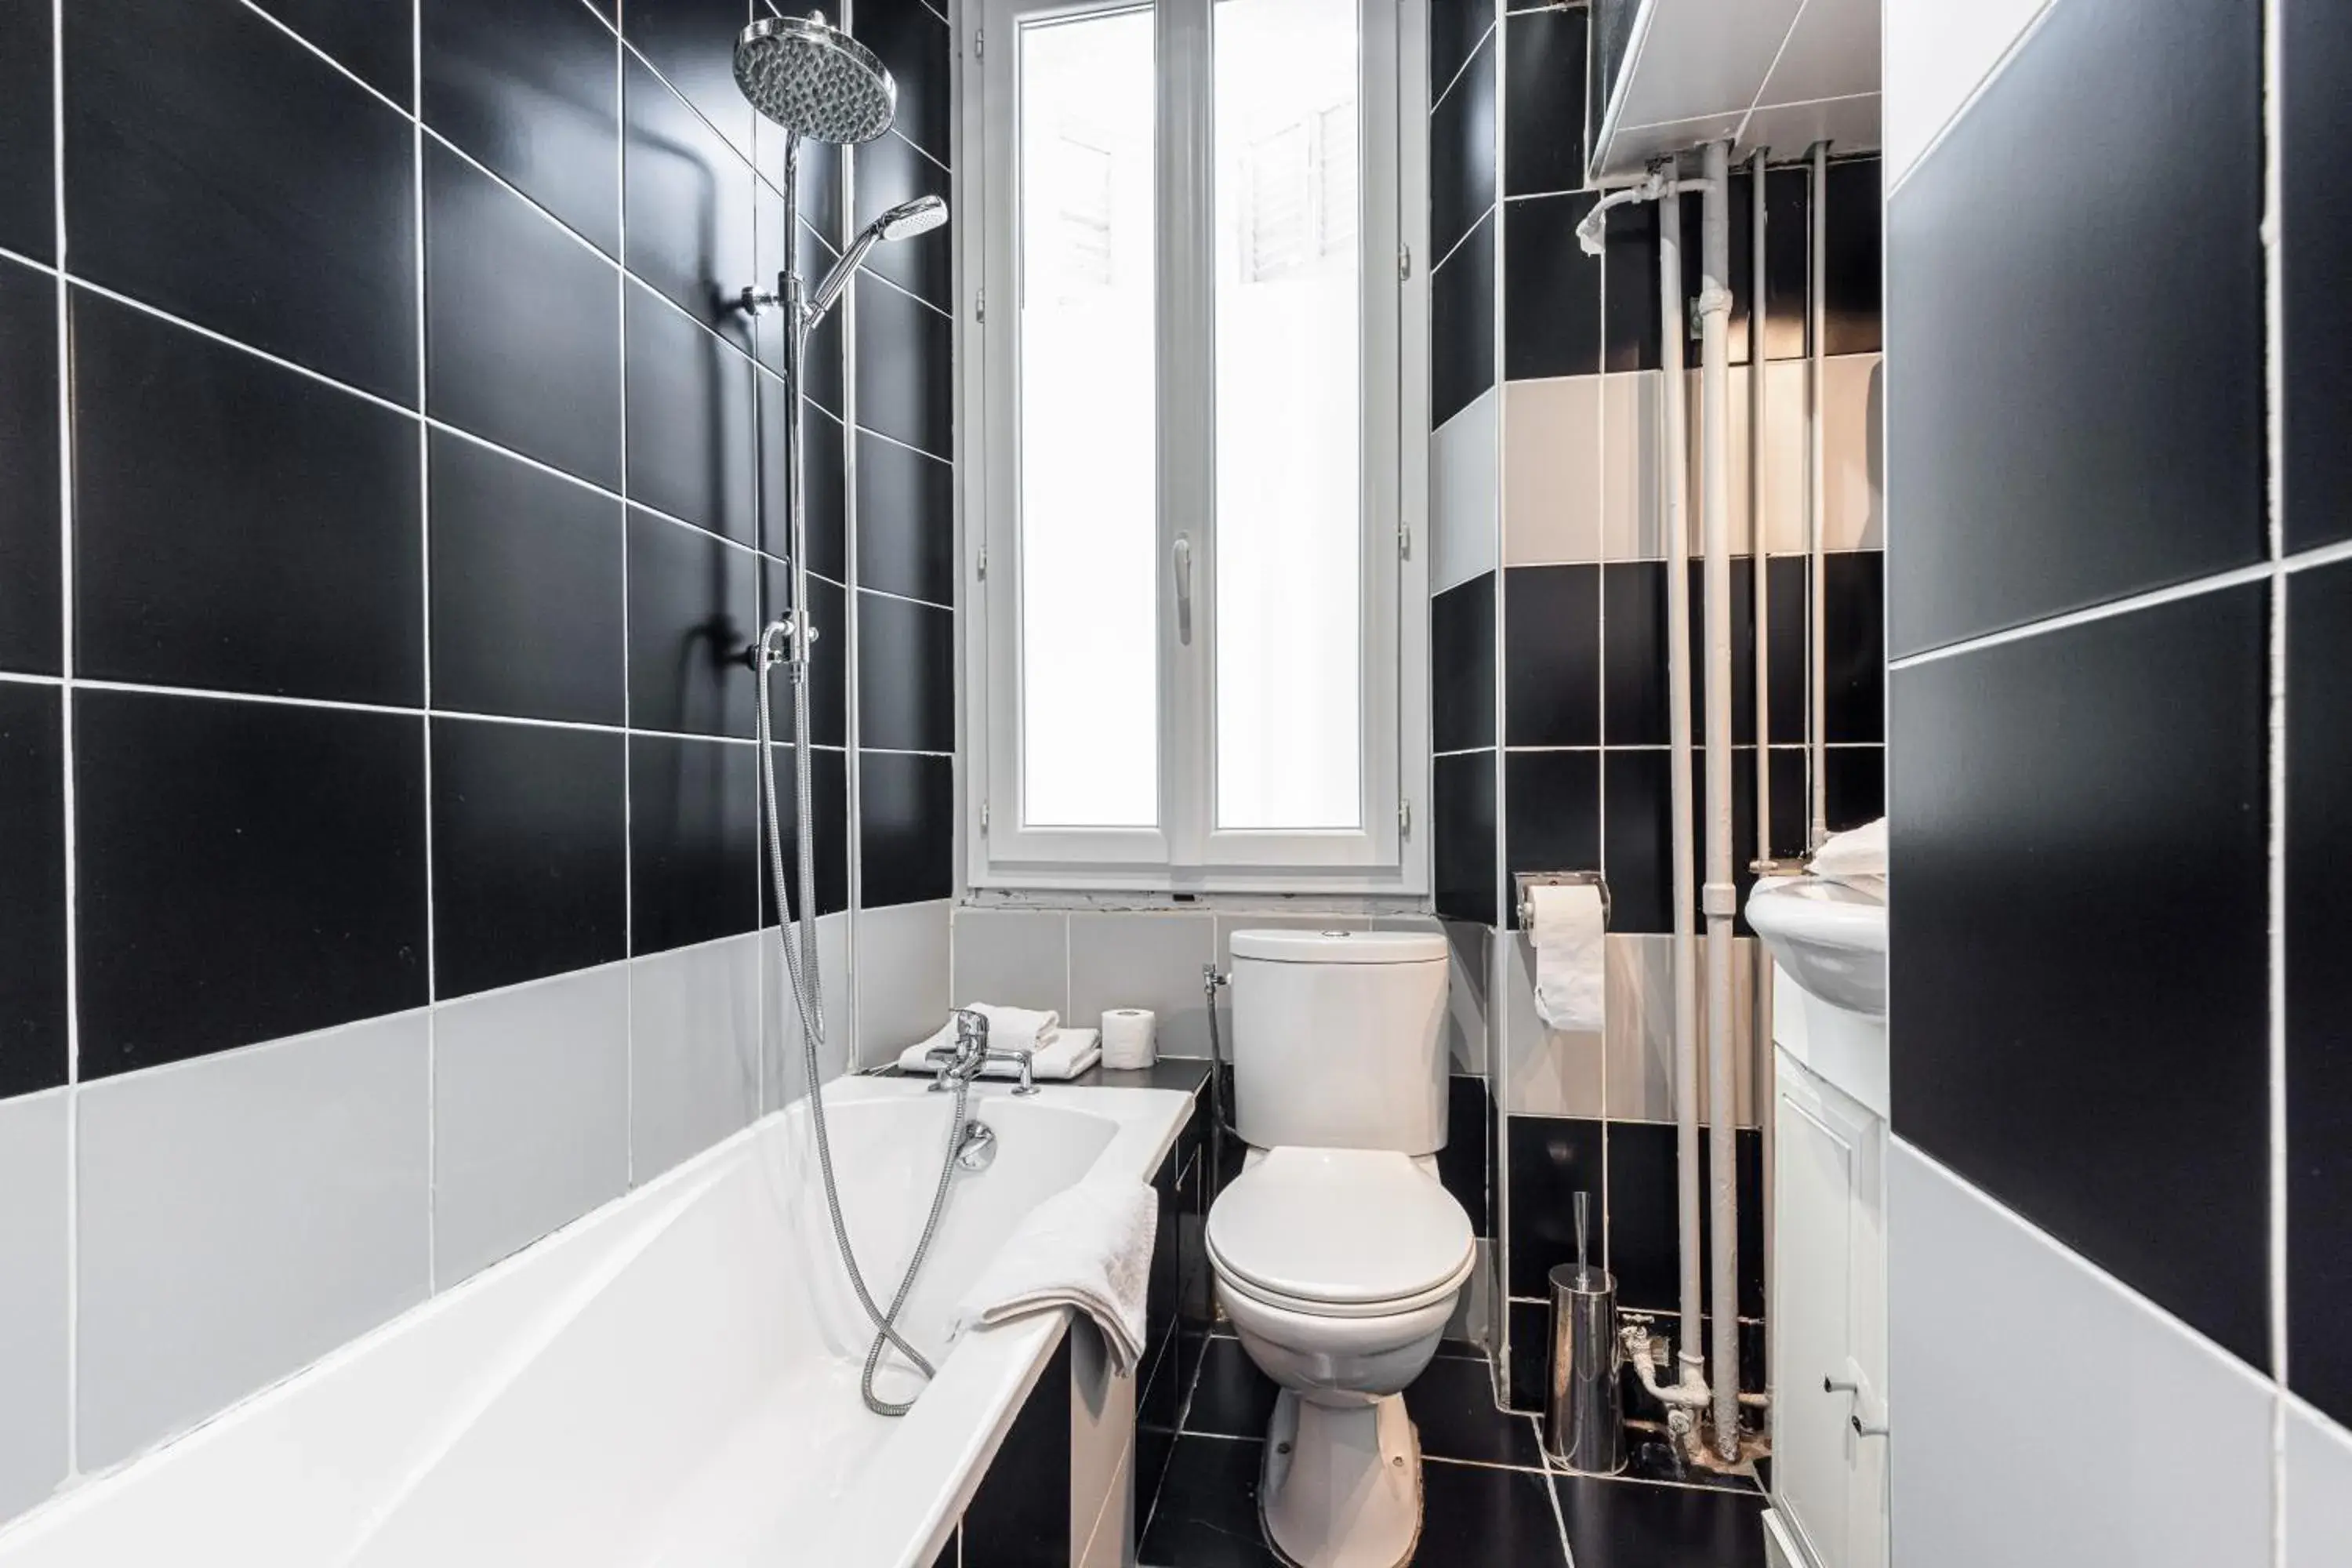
{"x": 1191, "y": 660}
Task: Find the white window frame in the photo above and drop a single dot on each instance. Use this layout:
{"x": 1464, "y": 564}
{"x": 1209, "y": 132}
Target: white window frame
{"x": 1387, "y": 853}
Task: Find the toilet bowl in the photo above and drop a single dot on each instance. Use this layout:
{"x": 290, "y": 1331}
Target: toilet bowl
{"x": 1339, "y": 1270}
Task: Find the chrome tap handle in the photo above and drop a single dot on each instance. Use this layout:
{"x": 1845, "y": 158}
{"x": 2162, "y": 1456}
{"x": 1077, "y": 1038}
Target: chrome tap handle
{"x": 971, "y": 1033}
{"x": 1023, "y": 1057}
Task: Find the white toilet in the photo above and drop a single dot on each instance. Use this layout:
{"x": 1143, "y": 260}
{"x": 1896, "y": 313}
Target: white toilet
{"x": 1337, "y": 1254}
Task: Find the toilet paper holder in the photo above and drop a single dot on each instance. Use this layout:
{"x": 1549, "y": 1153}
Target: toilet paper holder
{"x": 1524, "y": 882}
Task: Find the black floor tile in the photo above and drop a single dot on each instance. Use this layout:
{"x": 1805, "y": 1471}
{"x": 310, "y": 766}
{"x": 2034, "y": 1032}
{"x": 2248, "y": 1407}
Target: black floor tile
{"x": 1651, "y": 1456}
{"x": 1453, "y": 1404}
{"x": 1632, "y": 1524}
{"x": 1206, "y": 1515}
{"x": 1477, "y": 1514}
{"x": 1234, "y": 1397}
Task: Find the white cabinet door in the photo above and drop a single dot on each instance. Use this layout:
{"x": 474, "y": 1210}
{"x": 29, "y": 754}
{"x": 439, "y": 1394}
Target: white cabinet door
{"x": 1828, "y": 1320}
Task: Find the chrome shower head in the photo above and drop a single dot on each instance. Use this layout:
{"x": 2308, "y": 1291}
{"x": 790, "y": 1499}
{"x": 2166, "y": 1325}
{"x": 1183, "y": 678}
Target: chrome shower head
{"x": 813, "y": 80}
{"x": 919, "y": 215}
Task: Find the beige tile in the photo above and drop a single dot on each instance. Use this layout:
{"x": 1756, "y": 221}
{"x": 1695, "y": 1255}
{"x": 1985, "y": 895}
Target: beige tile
{"x": 1551, "y": 470}
{"x": 1546, "y": 1071}
{"x": 1639, "y": 1035}
{"x": 1016, "y": 958}
{"x": 1144, "y": 960}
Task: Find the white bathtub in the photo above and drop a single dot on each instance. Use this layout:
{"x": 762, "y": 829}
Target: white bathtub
{"x": 671, "y": 1380}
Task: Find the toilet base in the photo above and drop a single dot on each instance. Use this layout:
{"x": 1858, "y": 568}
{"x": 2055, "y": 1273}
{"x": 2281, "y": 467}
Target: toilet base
{"x": 1341, "y": 1487}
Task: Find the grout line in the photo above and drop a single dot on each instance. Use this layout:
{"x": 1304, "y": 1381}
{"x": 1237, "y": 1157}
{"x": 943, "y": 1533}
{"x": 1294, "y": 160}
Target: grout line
{"x": 425, "y": 598}
{"x": 1992, "y": 73}
{"x": 2236, "y": 577}
{"x": 902, "y": 445}
{"x": 45, "y": 269}
{"x": 1463, "y": 239}
{"x": 941, "y": 165}
{"x": 903, "y": 598}
{"x": 1469, "y": 58}
{"x": 69, "y": 804}
{"x": 865, "y": 270}
{"x": 2274, "y": 243}
{"x": 341, "y": 68}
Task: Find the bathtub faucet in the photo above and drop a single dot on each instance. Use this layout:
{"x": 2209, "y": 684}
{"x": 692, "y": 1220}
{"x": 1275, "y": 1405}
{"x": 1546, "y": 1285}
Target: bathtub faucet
{"x": 969, "y": 1056}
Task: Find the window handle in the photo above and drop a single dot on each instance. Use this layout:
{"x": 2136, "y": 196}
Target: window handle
{"x": 1184, "y": 554}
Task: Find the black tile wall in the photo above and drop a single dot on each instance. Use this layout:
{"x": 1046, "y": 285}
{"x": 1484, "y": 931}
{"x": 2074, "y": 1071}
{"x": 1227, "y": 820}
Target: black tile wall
{"x": 1852, "y": 257}
{"x": 905, "y": 675}
{"x": 1551, "y": 656}
{"x": 691, "y": 422}
{"x": 2015, "y": 506}
{"x": 529, "y": 89}
{"x": 693, "y": 835}
{"x": 1636, "y": 692}
{"x": 1455, "y": 27}
{"x": 1629, "y": 337}
{"x": 1463, "y": 849}
{"x": 2319, "y": 991}
{"x": 1462, "y": 153}
{"x": 238, "y": 526}
{"x": 31, "y": 626}
{"x": 1551, "y": 814}
{"x": 1462, "y": 665}
{"x": 287, "y": 190}
{"x": 912, "y": 41}
{"x": 1787, "y": 582}
{"x": 906, "y": 521}
{"x": 1462, "y": 325}
{"x": 522, "y": 325}
{"x": 1543, "y": 95}
{"x": 687, "y": 198}
{"x": 829, "y": 666}
{"x": 1462, "y": 1163}
{"x": 693, "y": 612}
{"x": 2048, "y": 1021}
{"x": 2315, "y": 120}
{"x": 529, "y": 852}
{"x": 33, "y": 867}
{"x": 28, "y": 208}
{"x": 1552, "y": 291}
{"x": 1855, "y": 789}
{"x": 526, "y": 588}
{"x": 829, "y": 801}
{"x": 1853, "y": 646}
{"x": 1742, "y": 617}
{"x": 905, "y": 368}
{"x": 892, "y": 170}
{"x": 1644, "y": 1250}
{"x": 1020, "y": 1515}
{"x": 372, "y": 42}
{"x": 906, "y": 828}
{"x": 825, "y": 491}
{"x": 244, "y": 903}
{"x": 1637, "y": 840}
{"x": 1550, "y": 1160}
{"x": 692, "y": 44}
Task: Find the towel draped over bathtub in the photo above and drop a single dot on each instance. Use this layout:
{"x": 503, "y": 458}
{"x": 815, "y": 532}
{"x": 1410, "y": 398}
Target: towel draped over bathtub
{"x": 1087, "y": 1247}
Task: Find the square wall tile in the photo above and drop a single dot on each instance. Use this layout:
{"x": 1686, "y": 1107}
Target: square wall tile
{"x": 694, "y": 607}
{"x": 1552, "y": 291}
{"x": 1551, "y": 656}
{"x": 530, "y": 1114}
{"x": 33, "y": 868}
{"x": 1551, "y": 816}
{"x": 1017, "y": 957}
{"x": 34, "y": 1313}
{"x": 32, "y": 625}
{"x": 1552, "y": 475}
{"x": 902, "y": 977}
{"x": 694, "y": 1050}
{"x": 1462, "y": 666}
{"x": 1464, "y": 523}
{"x": 185, "y": 1199}
{"x": 1136, "y": 960}
{"x": 694, "y": 841}
{"x": 906, "y": 823}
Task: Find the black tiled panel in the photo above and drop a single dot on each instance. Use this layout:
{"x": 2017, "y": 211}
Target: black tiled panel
{"x": 1543, "y": 95}
{"x": 905, "y": 675}
{"x": 521, "y": 324}
{"x": 687, "y": 195}
{"x": 829, "y": 798}
{"x": 908, "y": 827}
{"x": 1233, "y": 1399}
{"x": 1790, "y": 803}
{"x": 1788, "y": 242}
{"x": 1743, "y": 650}
{"x": 2314, "y": 54}
{"x": 529, "y": 89}
{"x": 1020, "y": 1516}
{"x": 906, "y": 363}
{"x": 1854, "y": 646}
{"x": 1476, "y": 1513}
{"x": 2319, "y": 988}
{"x": 2049, "y": 1020}
{"x": 1464, "y": 838}
{"x": 693, "y": 612}
{"x": 691, "y": 422}
{"x": 238, "y": 526}
{"x": 1551, "y": 656}
{"x": 1787, "y": 286}
{"x": 1645, "y": 1228}
{"x": 1462, "y": 1163}
{"x": 1629, "y": 331}
{"x": 1530, "y": 1353}
{"x": 1207, "y": 1516}
{"x": 28, "y": 210}
{"x": 890, "y": 171}
{"x": 1786, "y": 580}
{"x": 1743, "y": 828}
{"x": 1455, "y": 29}
{"x": 31, "y": 626}
{"x": 1550, "y": 1160}
{"x": 1856, "y": 790}
{"x": 1461, "y": 153}
{"x": 692, "y": 44}
{"x": 1462, "y": 665}
{"x": 225, "y": 174}
{"x": 1552, "y": 291}
{"x": 906, "y": 521}
{"x": 1850, "y": 263}
{"x": 1637, "y": 841}
{"x": 1453, "y": 1407}
{"x": 951, "y": 1554}
{"x": 2014, "y": 504}
{"x": 913, "y": 43}
{"x": 825, "y": 494}
{"x": 694, "y": 839}
{"x": 1551, "y": 814}
{"x": 1633, "y": 628}
{"x": 829, "y": 667}
{"x": 1629, "y": 1525}
{"x": 33, "y": 868}
{"x": 530, "y": 852}
{"x": 526, "y": 586}
{"x": 244, "y": 901}
{"x": 372, "y": 42}
{"x": 818, "y": 181}
{"x": 1462, "y": 325}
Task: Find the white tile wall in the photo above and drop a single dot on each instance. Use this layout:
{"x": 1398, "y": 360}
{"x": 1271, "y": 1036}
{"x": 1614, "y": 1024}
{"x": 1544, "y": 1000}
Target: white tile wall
{"x": 2044, "y": 1416}
{"x": 1546, "y": 1071}
{"x": 1144, "y": 960}
{"x": 1469, "y": 963}
{"x": 694, "y": 1049}
{"x": 902, "y": 977}
{"x": 1626, "y": 1071}
{"x": 783, "y": 1078}
{"x": 530, "y": 1109}
{"x": 33, "y": 1298}
{"x": 2318, "y": 1489}
{"x": 1938, "y": 52}
{"x": 1462, "y": 457}
{"x": 241, "y": 1215}
{"x": 1020, "y": 958}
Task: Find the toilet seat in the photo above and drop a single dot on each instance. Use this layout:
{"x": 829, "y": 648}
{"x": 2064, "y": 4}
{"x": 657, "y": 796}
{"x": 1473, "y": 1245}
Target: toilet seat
{"x": 1340, "y": 1233}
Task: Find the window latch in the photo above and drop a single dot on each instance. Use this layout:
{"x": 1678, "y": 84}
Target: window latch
{"x": 1404, "y": 818}
{"x": 1404, "y": 262}
{"x": 1183, "y": 571}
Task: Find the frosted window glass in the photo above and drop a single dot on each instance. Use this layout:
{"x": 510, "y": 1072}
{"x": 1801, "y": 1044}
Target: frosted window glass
{"x": 1288, "y": 373}
{"x": 1089, "y": 553}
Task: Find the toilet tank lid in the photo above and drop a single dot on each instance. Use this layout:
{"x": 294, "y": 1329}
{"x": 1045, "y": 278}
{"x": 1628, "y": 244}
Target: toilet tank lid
{"x": 1339, "y": 946}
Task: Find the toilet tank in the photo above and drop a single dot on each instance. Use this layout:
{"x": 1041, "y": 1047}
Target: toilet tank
{"x": 1338, "y": 1040}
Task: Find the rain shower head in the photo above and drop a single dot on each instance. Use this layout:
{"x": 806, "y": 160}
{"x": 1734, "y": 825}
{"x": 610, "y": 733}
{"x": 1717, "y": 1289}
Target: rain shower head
{"x": 813, "y": 80}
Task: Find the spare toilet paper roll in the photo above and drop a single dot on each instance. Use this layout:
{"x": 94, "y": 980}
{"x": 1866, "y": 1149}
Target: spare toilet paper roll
{"x": 1569, "y": 938}
{"x": 1127, "y": 1038}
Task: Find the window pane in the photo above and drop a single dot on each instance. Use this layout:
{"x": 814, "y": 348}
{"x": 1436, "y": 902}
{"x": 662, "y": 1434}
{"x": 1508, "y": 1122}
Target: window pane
{"x": 1289, "y": 504}
{"x": 1089, "y": 553}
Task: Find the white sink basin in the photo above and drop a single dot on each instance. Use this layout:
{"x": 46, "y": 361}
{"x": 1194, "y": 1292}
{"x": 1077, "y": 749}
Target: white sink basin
{"x": 1829, "y": 939}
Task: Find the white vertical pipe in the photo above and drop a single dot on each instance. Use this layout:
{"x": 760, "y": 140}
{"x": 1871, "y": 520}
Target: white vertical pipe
{"x": 1719, "y": 896}
{"x": 1758, "y": 494}
{"x": 1687, "y": 1058}
{"x": 1816, "y": 506}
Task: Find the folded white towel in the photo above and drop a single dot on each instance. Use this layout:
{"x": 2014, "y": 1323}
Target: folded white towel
{"x": 1016, "y": 1028}
{"x": 1072, "y": 1052}
{"x": 1087, "y": 1247}
{"x": 1852, "y": 855}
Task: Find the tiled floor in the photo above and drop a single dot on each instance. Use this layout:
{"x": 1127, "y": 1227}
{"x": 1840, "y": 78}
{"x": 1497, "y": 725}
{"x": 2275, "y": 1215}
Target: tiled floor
{"x": 1487, "y": 1499}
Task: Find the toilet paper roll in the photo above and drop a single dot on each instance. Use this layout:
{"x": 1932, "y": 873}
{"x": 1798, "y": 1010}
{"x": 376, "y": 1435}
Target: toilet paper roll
{"x": 1127, "y": 1037}
{"x": 1569, "y": 939}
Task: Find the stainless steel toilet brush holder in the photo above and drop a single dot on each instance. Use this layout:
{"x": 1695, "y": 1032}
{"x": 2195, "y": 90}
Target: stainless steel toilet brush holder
{"x": 1584, "y": 1400}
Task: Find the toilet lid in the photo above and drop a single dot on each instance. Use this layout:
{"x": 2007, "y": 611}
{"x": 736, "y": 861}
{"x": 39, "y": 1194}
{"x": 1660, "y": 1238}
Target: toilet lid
{"x": 1342, "y": 1225}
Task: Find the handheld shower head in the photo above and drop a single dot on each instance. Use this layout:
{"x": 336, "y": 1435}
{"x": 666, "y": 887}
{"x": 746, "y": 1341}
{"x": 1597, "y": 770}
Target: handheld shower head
{"x": 814, "y": 80}
{"x": 907, "y": 219}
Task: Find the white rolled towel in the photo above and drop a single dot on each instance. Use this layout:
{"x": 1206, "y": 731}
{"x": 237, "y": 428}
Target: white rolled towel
{"x": 1087, "y": 1247}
